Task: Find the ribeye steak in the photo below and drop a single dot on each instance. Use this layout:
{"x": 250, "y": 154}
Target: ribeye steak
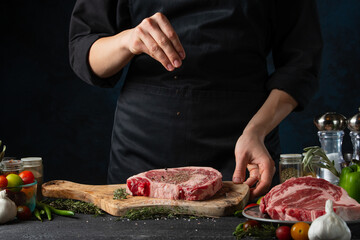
{"x": 303, "y": 199}
{"x": 186, "y": 183}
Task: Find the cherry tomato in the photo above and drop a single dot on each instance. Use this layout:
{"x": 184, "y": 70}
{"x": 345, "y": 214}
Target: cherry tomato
{"x": 299, "y": 231}
{"x": 27, "y": 177}
{"x": 250, "y": 223}
{"x": 3, "y": 181}
{"x": 283, "y": 233}
{"x": 23, "y": 212}
{"x": 251, "y": 205}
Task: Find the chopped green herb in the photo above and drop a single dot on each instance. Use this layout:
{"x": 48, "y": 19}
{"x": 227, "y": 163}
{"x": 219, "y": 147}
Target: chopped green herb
{"x": 74, "y": 205}
{"x": 266, "y": 231}
{"x": 157, "y": 212}
{"x": 120, "y": 193}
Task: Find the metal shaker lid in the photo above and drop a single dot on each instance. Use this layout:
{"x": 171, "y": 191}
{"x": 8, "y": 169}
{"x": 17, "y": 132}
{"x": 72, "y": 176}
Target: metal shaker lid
{"x": 353, "y": 123}
{"x": 330, "y": 121}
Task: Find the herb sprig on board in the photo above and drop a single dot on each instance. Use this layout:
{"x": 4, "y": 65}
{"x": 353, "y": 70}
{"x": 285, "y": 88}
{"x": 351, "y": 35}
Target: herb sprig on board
{"x": 120, "y": 194}
{"x": 74, "y": 205}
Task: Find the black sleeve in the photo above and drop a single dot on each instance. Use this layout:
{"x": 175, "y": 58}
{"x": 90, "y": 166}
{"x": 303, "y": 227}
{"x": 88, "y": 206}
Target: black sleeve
{"x": 91, "y": 20}
{"x": 296, "y": 48}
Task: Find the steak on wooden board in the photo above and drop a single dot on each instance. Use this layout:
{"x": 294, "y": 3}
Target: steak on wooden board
{"x": 186, "y": 183}
{"x": 303, "y": 199}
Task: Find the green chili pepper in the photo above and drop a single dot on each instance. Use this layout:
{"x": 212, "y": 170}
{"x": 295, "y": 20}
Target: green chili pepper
{"x": 350, "y": 179}
{"x": 48, "y": 212}
{"x": 61, "y": 212}
{"x": 37, "y": 214}
{"x": 49, "y": 209}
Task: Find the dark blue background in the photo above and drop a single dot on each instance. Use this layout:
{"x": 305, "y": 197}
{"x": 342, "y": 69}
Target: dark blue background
{"x": 45, "y": 110}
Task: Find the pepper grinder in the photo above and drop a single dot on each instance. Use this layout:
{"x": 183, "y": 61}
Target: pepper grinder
{"x": 354, "y": 127}
{"x": 331, "y": 126}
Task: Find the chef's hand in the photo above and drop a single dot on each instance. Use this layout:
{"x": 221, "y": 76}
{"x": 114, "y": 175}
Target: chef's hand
{"x": 156, "y": 37}
{"x": 250, "y": 150}
{"x": 251, "y": 154}
{"x": 153, "y": 36}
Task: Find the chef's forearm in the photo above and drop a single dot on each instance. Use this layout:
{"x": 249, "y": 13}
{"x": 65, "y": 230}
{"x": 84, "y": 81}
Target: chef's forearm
{"x": 109, "y": 55}
{"x": 277, "y": 106}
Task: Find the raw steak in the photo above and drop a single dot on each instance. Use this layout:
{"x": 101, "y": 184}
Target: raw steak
{"x": 303, "y": 199}
{"x": 186, "y": 183}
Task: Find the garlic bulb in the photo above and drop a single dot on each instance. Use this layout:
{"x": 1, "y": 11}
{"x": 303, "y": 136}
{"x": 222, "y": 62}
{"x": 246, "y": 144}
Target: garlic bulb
{"x": 329, "y": 226}
{"x": 8, "y": 208}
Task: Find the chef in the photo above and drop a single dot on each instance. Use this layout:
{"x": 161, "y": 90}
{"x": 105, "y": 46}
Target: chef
{"x": 196, "y": 90}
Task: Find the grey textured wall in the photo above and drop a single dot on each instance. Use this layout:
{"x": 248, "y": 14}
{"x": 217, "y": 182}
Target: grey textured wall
{"x": 45, "y": 110}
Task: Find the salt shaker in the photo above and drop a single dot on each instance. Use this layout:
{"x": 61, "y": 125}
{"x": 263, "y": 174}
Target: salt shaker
{"x": 331, "y": 126}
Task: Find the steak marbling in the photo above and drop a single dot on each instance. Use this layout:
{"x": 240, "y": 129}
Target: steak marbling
{"x": 186, "y": 183}
{"x": 303, "y": 199}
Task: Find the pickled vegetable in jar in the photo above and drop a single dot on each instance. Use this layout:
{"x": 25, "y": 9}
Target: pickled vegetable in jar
{"x": 34, "y": 164}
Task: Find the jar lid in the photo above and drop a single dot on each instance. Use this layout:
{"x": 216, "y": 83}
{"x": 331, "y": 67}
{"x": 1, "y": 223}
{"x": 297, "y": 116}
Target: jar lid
{"x": 12, "y": 164}
{"x": 291, "y": 155}
{"x": 31, "y": 160}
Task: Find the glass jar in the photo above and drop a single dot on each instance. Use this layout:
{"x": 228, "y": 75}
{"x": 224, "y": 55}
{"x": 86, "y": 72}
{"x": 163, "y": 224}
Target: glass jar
{"x": 34, "y": 164}
{"x": 290, "y": 166}
{"x": 12, "y": 166}
{"x": 314, "y": 171}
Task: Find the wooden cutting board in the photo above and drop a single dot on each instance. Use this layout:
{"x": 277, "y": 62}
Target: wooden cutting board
{"x": 230, "y": 198}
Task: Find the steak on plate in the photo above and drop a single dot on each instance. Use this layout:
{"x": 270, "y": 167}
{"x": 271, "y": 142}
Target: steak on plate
{"x": 303, "y": 199}
{"x": 186, "y": 183}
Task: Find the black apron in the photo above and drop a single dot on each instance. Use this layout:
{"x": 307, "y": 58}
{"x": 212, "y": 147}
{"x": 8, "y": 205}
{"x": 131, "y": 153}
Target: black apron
{"x": 159, "y": 127}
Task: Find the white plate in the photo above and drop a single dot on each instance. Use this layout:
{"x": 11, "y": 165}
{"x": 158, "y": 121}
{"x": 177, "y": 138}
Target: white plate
{"x": 255, "y": 214}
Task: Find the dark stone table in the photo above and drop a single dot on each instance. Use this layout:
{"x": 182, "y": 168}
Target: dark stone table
{"x": 108, "y": 227}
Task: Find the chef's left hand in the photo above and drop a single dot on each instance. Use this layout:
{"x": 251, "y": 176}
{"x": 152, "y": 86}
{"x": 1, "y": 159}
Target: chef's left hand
{"x": 250, "y": 150}
{"x": 251, "y": 154}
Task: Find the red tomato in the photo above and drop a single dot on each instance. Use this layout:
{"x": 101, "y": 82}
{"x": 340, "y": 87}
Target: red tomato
{"x": 250, "y": 223}
{"x": 251, "y": 205}
{"x": 3, "y": 181}
{"x": 283, "y": 233}
{"x": 27, "y": 177}
{"x": 23, "y": 212}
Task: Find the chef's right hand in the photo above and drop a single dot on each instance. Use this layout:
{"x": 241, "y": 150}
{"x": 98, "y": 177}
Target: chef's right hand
{"x": 156, "y": 37}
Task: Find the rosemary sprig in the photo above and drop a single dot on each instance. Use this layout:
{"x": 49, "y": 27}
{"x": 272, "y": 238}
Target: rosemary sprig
{"x": 74, "y": 205}
{"x": 266, "y": 231}
{"x": 120, "y": 193}
{"x": 2, "y": 153}
{"x": 308, "y": 162}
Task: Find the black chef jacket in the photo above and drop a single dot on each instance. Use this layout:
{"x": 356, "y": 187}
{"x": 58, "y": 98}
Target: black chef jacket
{"x": 195, "y": 114}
